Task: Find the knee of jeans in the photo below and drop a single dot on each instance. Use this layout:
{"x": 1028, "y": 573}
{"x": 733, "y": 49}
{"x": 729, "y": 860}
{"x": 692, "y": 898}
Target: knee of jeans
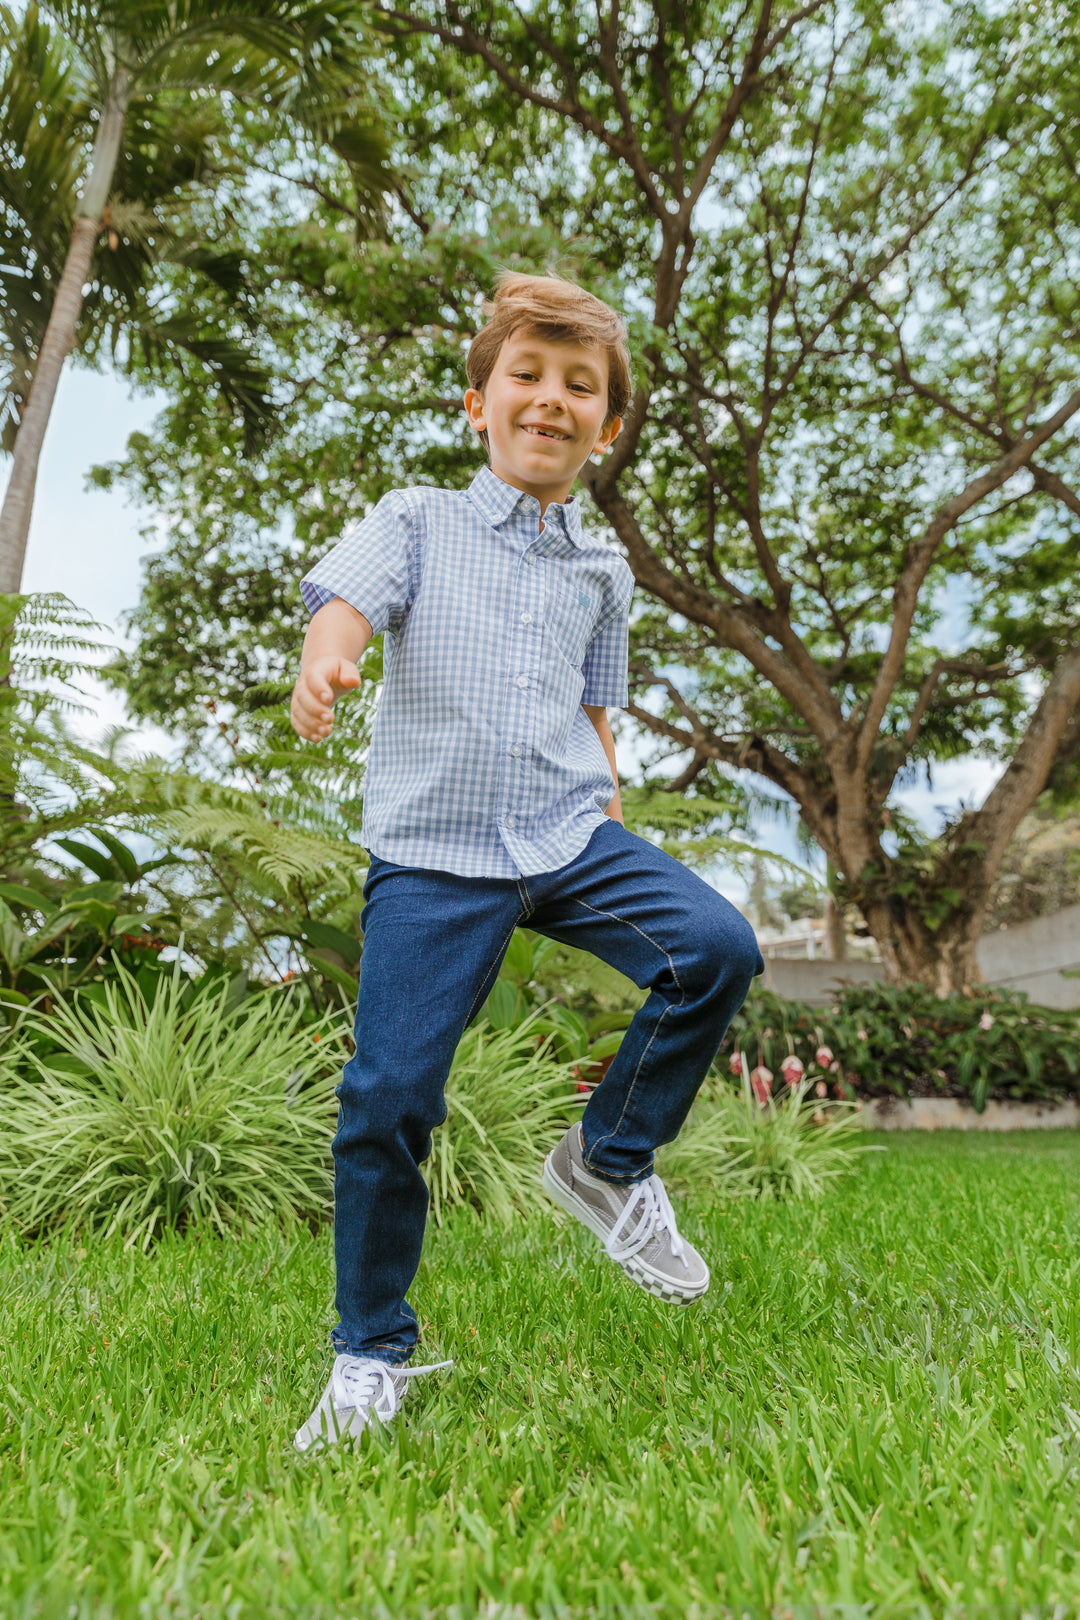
{"x": 412, "y": 1104}
{"x": 726, "y": 954}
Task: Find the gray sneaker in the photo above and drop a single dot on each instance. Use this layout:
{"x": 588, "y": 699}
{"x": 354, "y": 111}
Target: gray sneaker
{"x": 636, "y": 1224}
{"x": 360, "y": 1391}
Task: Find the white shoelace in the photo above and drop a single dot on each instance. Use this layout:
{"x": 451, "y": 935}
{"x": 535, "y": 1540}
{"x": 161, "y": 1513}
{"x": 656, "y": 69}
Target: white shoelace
{"x": 370, "y": 1384}
{"x": 650, "y": 1204}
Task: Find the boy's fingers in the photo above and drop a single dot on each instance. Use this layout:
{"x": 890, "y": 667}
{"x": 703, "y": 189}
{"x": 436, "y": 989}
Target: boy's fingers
{"x": 309, "y": 701}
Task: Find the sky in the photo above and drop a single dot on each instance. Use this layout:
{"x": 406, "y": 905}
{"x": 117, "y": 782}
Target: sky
{"x": 88, "y": 544}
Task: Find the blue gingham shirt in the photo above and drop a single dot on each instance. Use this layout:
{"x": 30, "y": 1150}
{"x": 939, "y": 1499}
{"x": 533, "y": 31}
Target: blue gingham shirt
{"x": 482, "y": 760}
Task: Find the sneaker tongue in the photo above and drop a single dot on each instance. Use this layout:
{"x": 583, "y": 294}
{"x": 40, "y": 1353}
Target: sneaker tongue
{"x": 357, "y": 1382}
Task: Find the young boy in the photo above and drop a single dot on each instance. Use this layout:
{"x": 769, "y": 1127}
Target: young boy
{"x": 491, "y": 801}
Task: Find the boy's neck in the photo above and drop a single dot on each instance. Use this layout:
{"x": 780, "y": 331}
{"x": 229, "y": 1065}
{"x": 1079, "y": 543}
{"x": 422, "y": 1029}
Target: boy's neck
{"x": 546, "y": 497}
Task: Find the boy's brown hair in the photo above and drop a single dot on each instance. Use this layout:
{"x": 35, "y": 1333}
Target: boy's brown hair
{"x": 560, "y": 312}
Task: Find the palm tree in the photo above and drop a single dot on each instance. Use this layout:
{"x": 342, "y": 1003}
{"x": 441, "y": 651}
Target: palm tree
{"x": 107, "y": 111}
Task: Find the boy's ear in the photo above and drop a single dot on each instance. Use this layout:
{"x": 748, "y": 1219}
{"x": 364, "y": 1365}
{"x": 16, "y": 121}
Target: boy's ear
{"x": 474, "y": 409}
{"x": 608, "y": 436}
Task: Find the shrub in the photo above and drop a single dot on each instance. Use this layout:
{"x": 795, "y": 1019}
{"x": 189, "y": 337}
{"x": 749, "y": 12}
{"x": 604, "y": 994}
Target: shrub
{"x": 508, "y": 1100}
{"x": 904, "y": 1041}
{"x": 140, "y": 1113}
{"x": 737, "y": 1147}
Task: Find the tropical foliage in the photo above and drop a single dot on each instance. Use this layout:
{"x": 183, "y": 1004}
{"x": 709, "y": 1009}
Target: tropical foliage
{"x": 253, "y": 862}
{"x": 119, "y": 125}
{"x": 881, "y": 1040}
{"x": 508, "y": 1100}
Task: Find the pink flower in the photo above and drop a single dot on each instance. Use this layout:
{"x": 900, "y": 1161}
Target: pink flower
{"x": 819, "y": 1116}
{"x": 823, "y": 1056}
{"x": 862, "y": 1035}
{"x": 986, "y": 1021}
{"x": 735, "y": 1063}
{"x": 792, "y": 1070}
{"x": 583, "y": 1086}
{"x": 761, "y": 1080}
{"x": 821, "y": 1089}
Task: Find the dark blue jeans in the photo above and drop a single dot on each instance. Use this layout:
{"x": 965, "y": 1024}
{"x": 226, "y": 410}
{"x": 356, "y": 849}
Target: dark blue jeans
{"x": 433, "y": 945}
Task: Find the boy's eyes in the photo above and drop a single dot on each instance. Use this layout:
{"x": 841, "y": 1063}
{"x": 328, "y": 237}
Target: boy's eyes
{"x": 530, "y": 376}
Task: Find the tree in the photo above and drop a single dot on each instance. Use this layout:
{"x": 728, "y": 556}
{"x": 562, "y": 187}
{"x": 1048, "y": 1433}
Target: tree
{"x": 120, "y": 99}
{"x": 849, "y": 247}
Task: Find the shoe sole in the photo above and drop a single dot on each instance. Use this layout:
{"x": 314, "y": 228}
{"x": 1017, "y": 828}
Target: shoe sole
{"x": 643, "y": 1275}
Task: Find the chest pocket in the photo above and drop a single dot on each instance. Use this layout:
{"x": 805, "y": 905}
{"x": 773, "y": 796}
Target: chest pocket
{"x": 571, "y": 616}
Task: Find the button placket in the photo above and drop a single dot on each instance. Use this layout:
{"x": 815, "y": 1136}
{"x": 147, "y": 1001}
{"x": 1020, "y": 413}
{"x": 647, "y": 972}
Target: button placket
{"x": 525, "y": 648}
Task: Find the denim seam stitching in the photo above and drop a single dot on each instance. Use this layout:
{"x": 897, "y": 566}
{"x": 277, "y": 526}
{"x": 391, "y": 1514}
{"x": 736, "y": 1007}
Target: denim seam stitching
{"x": 487, "y": 970}
{"x": 682, "y": 1002}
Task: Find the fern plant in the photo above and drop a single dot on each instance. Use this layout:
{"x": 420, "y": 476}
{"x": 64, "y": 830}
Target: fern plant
{"x": 258, "y": 864}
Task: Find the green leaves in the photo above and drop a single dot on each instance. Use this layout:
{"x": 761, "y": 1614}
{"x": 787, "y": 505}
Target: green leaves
{"x": 305, "y": 68}
{"x": 133, "y": 1113}
{"x": 506, "y": 1100}
{"x": 904, "y": 1041}
{"x": 71, "y": 940}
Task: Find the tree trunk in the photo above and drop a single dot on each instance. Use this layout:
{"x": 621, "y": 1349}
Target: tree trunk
{"x": 945, "y": 959}
{"x": 59, "y": 338}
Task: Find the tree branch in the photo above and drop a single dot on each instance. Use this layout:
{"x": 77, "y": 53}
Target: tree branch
{"x": 752, "y": 754}
{"x": 823, "y": 715}
{"x": 474, "y": 44}
{"x": 1028, "y": 771}
{"x": 921, "y": 555}
{"x": 946, "y": 666}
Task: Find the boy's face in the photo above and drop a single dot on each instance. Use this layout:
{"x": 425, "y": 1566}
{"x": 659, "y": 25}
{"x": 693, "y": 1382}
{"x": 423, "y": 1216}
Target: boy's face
{"x": 543, "y": 407}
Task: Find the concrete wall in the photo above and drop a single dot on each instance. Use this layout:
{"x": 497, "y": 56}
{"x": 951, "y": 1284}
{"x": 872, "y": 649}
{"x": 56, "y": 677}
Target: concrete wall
{"x": 951, "y": 1114}
{"x": 1032, "y": 957}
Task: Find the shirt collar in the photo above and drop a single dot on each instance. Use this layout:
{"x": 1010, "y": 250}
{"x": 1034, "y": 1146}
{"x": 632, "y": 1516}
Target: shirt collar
{"x": 497, "y": 500}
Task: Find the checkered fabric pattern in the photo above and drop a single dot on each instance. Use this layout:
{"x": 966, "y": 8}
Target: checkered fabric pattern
{"x": 482, "y": 760}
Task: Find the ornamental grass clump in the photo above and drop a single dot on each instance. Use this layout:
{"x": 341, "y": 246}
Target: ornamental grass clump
{"x": 139, "y": 1115}
{"x": 508, "y": 1100}
{"x": 746, "y": 1143}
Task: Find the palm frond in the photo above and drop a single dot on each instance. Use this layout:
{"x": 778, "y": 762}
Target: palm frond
{"x": 41, "y": 166}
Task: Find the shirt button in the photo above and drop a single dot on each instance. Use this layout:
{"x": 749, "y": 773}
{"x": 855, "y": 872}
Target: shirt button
{"x": 522, "y": 681}
{"x": 529, "y": 560}
{"x": 510, "y": 820}
{"x": 515, "y": 752}
{"x": 526, "y": 618}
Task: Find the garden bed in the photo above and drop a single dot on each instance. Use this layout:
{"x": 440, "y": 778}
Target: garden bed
{"x": 882, "y": 1041}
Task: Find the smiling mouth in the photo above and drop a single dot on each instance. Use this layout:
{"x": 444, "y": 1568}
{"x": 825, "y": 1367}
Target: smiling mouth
{"x": 547, "y": 433}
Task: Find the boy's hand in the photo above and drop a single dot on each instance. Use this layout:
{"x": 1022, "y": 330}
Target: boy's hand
{"x": 321, "y": 682}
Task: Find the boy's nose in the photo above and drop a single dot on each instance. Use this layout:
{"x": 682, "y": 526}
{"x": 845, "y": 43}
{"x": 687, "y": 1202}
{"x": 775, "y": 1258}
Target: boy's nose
{"x": 550, "y": 397}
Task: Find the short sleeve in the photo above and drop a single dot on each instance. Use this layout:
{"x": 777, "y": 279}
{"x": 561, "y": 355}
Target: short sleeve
{"x": 605, "y": 663}
{"x": 370, "y": 567}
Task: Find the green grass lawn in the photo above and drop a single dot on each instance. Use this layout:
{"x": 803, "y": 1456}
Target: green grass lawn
{"x": 879, "y": 1401}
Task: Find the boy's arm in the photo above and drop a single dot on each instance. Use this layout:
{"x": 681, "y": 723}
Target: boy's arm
{"x": 335, "y": 640}
{"x": 598, "y": 715}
